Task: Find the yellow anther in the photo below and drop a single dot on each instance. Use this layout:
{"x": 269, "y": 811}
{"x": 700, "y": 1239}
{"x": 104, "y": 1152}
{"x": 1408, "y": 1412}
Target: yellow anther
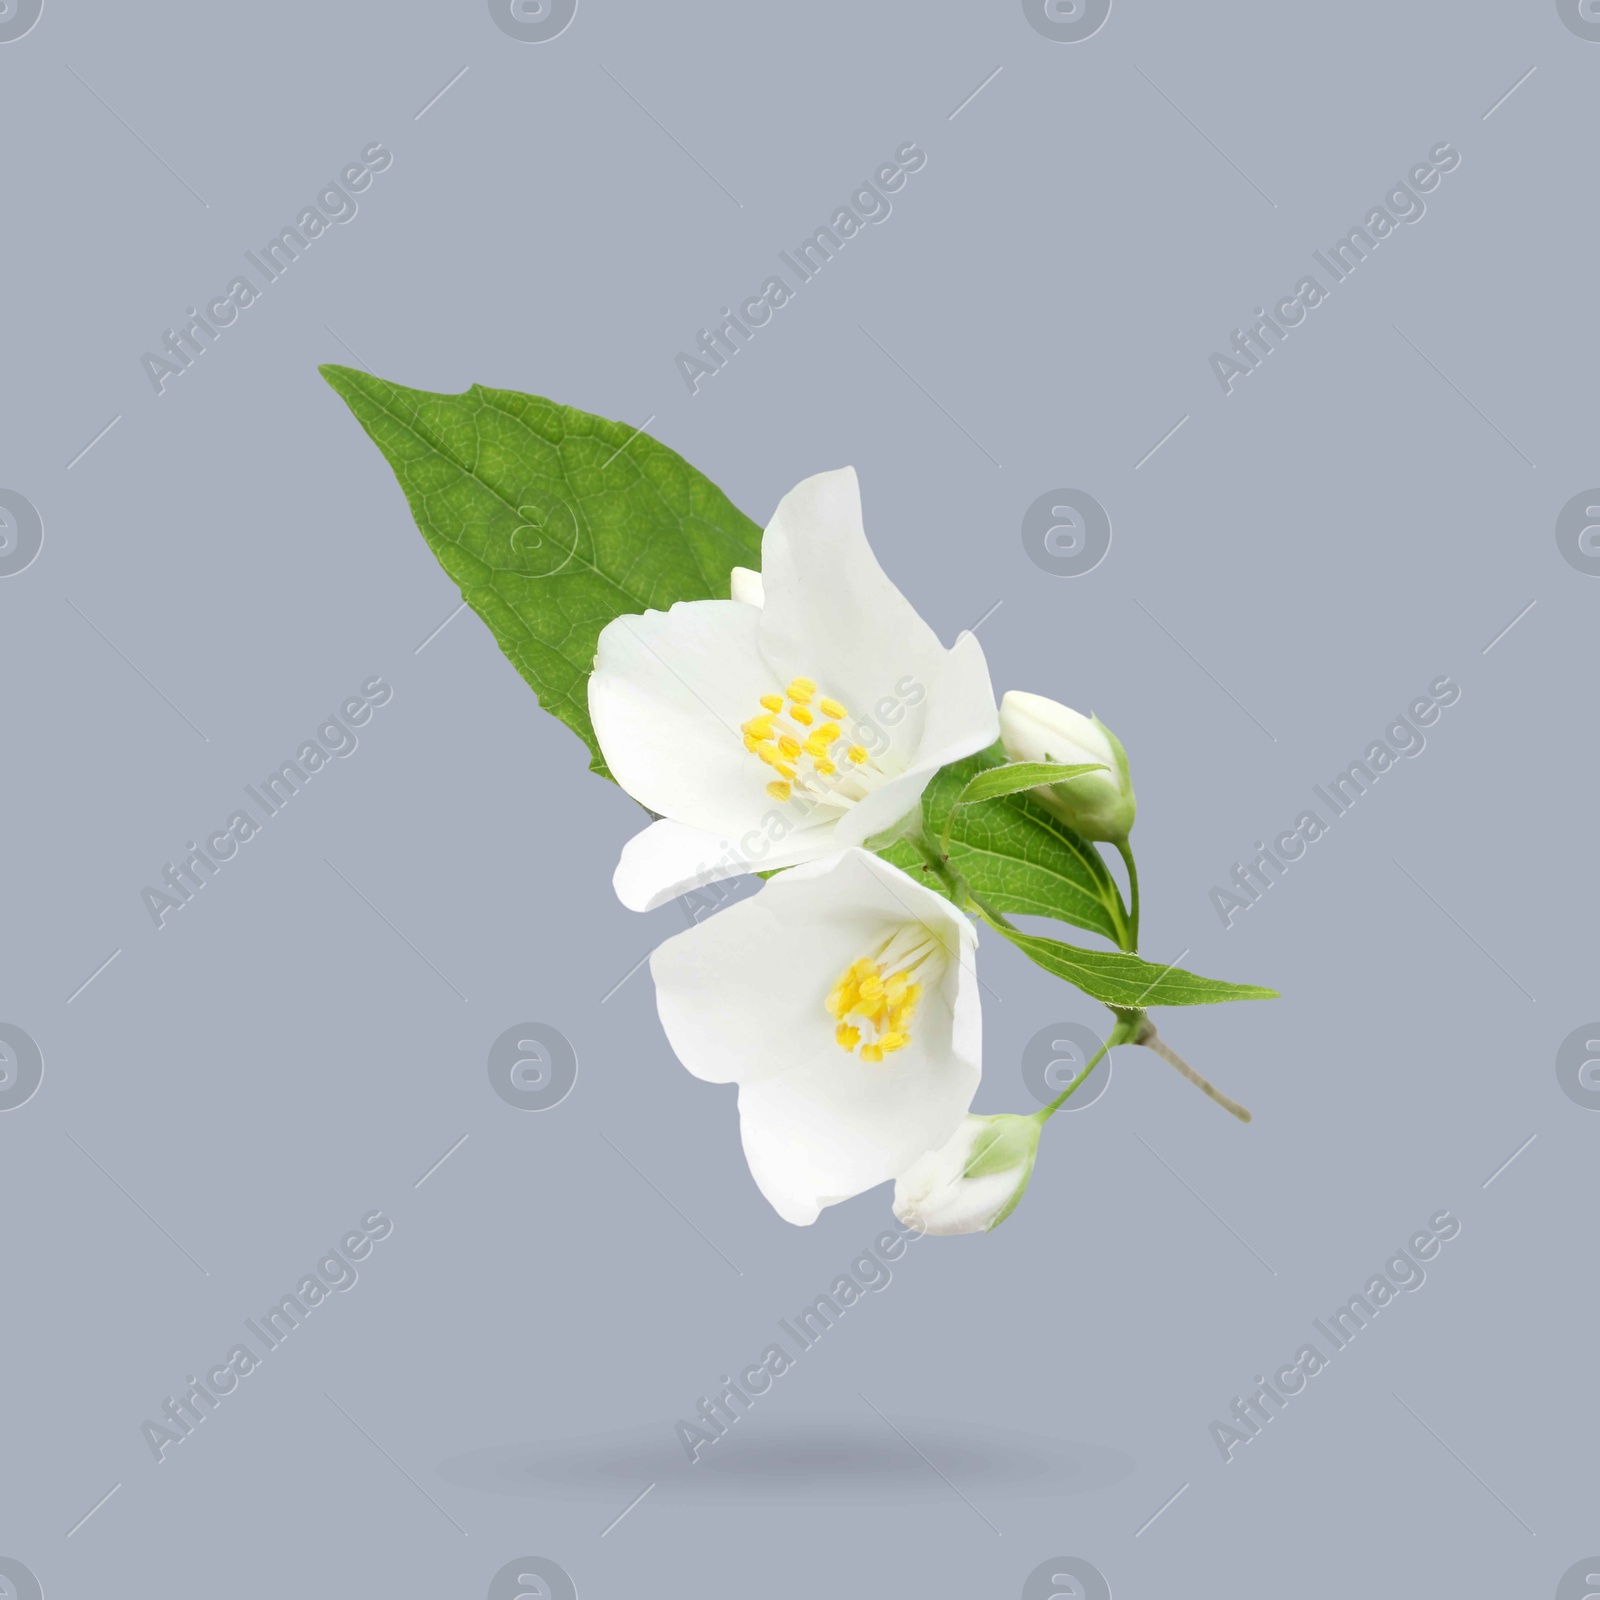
{"x": 825, "y": 767}
{"x": 801, "y": 714}
{"x": 768, "y": 753}
{"x": 857, "y": 753}
{"x": 866, "y": 1005}
{"x": 779, "y": 791}
{"x": 818, "y": 743}
{"x": 828, "y": 731}
{"x": 751, "y": 742}
{"x": 772, "y": 703}
{"x": 784, "y": 770}
{"x": 789, "y": 745}
{"x": 757, "y": 727}
{"x": 832, "y": 708}
{"x": 801, "y": 689}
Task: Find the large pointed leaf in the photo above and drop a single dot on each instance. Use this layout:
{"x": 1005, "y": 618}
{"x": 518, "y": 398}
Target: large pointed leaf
{"x": 551, "y": 521}
{"x": 1129, "y": 981}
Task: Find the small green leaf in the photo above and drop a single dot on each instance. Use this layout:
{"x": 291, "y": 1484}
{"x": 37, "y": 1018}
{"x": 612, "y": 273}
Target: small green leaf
{"x": 1129, "y": 981}
{"x": 1017, "y": 856}
{"x": 551, "y": 521}
{"x": 1017, "y": 778}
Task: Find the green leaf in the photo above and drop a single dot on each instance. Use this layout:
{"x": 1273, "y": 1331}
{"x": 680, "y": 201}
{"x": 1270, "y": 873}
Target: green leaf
{"x": 1129, "y": 981}
{"x": 551, "y": 521}
{"x": 1020, "y": 776}
{"x": 1017, "y": 778}
{"x": 1017, "y": 856}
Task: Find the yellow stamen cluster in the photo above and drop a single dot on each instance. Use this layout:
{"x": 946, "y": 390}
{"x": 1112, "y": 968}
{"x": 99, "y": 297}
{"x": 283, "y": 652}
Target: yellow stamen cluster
{"x": 793, "y": 743}
{"x": 864, "y": 998}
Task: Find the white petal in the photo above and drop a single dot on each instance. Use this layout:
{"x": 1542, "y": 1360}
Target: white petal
{"x": 835, "y": 1126}
{"x": 670, "y": 858}
{"x": 961, "y": 717}
{"x": 741, "y": 995}
{"x": 667, "y": 695}
{"x": 961, "y": 720}
{"x": 746, "y": 586}
{"x": 741, "y": 998}
{"x": 831, "y": 612}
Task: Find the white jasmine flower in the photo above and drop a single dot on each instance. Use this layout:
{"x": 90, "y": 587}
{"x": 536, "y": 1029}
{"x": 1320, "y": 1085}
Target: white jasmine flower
{"x": 798, "y": 719}
{"x": 842, "y": 999}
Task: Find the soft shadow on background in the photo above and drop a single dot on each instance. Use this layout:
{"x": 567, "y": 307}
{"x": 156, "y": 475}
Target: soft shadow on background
{"x": 786, "y": 1458}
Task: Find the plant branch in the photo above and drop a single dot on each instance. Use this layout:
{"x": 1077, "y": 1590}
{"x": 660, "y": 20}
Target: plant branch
{"x": 1153, "y": 1041}
{"x": 1120, "y": 1034}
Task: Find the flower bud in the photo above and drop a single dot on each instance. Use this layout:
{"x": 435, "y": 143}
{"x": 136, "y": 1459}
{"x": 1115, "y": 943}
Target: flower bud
{"x": 973, "y": 1183}
{"x": 1099, "y": 805}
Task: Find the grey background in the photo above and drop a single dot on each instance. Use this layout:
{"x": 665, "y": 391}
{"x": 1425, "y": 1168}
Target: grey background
{"x": 1353, "y": 521}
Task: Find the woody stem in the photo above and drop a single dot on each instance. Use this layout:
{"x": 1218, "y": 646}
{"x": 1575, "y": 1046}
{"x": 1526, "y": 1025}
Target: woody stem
{"x": 1153, "y": 1041}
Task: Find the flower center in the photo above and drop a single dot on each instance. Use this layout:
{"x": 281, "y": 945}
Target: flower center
{"x": 800, "y": 738}
{"x": 876, "y": 996}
